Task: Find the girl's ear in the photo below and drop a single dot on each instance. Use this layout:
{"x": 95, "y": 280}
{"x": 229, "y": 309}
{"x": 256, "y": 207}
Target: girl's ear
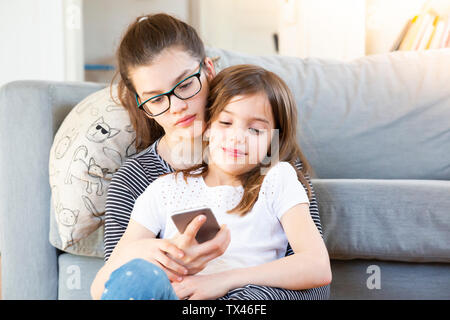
{"x": 210, "y": 70}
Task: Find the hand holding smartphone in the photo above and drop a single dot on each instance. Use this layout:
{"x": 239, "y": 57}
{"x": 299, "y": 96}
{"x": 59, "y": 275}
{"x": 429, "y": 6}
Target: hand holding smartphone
{"x": 207, "y": 231}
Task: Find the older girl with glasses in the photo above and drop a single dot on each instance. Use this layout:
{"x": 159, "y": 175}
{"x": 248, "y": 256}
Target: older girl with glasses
{"x": 164, "y": 86}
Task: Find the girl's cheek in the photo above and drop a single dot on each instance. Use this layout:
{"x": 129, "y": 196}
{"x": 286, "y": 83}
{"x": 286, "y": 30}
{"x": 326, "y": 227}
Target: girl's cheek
{"x": 255, "y": 148}
{"x": 215, "y": 139}
{"x": 263, "y": 147}
{"x": 217, "y": 134}
{"x": 212, "y": 135}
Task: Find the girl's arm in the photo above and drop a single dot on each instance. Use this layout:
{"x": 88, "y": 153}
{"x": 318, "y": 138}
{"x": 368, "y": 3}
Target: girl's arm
{"x": 308, "y": 267}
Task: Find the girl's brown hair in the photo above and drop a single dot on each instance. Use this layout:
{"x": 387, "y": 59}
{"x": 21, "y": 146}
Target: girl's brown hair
{"x": 143, "y": 41}
{"x": 245, "y": 80}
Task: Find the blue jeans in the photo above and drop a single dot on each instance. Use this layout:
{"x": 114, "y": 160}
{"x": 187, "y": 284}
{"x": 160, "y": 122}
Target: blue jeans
{"x": 138, "y": 280}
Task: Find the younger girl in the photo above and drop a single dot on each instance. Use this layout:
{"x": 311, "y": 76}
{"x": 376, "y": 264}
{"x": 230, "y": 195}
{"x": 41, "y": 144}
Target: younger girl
{"x": 249, "y": 180}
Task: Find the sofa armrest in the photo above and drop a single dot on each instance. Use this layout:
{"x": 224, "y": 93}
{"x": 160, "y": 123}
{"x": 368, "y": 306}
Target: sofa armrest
{"x": 31, "y": 112}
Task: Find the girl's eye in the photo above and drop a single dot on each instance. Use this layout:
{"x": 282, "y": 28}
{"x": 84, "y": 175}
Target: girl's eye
{"x": 225, "y": 123}
{"x": 156, "y": 100}
{"x": 256, "y": 131}
{"x": 185, "y": 85}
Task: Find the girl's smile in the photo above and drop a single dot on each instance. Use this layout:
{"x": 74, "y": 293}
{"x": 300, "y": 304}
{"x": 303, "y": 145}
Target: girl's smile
{"x": 235, "y": 153}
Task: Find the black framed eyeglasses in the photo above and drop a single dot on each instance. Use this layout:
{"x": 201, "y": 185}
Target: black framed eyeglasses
{"x": 185, "y": 89}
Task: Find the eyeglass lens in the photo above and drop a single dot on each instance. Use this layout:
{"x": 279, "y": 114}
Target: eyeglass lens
{"x": 184, "y": 90}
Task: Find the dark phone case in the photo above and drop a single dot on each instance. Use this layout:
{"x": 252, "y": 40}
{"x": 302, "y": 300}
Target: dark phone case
{"x": 207, "y": 231}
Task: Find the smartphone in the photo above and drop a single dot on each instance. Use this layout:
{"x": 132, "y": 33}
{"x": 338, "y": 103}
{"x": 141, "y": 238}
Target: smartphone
{"x": 207, "y": 231}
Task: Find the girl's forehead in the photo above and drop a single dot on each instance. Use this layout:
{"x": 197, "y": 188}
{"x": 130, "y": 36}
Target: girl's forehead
{"x": 250, "y": 106}
{"x": 164, "y": 71}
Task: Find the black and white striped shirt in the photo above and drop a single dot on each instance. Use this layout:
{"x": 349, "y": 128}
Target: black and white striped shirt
{"x": 131, "y": 180}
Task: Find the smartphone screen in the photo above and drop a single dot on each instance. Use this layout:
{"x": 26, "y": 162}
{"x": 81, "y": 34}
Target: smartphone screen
{"x": 207, "y": 231}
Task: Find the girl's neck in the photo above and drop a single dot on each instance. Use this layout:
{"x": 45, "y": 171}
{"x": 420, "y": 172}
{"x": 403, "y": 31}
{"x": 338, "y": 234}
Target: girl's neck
{"x": 217, "y": 177}
{"x": 179, "y": 152}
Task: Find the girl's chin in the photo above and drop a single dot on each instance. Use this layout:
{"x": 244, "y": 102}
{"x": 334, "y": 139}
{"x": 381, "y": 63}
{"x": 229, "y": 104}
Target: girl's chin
{"x": 231, "y": 170}
{"x": 191, "y": 132}
{"x": 233, "y": 167}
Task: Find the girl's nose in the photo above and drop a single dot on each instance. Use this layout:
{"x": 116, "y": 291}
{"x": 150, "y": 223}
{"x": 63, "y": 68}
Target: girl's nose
{"x": 177, "y": 105}
{"x": 238, "y": 136}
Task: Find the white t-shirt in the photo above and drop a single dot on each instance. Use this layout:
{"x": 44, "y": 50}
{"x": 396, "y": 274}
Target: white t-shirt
{"x": 256, "y": 238}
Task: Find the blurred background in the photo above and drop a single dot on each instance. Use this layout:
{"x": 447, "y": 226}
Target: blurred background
{"x": 75, "y": 40}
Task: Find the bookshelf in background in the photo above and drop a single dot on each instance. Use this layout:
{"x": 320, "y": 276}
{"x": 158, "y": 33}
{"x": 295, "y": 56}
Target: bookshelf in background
{"x": 427, "y": 30}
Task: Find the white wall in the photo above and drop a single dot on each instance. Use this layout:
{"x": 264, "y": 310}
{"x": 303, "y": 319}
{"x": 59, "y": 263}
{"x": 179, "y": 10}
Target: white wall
{"x": 32, "y": 41}
{"x": 73, "y": 40}
{"x": 244, "y": 26}
{"x": 333, "y": 29}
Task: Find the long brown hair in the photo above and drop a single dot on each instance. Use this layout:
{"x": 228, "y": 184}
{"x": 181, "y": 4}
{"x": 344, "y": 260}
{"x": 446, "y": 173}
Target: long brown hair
{"x": 245, "y": 80}
{"x": 144, "y": 40}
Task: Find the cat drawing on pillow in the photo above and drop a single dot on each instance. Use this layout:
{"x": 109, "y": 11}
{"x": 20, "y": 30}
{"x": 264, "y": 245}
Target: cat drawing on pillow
{"x": 90, "y": 173}
{"x": 100, "y": 131}
{"x": 67, "y": 220}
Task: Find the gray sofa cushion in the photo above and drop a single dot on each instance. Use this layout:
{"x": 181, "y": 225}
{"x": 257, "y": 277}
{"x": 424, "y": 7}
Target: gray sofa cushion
{"x": 75, "y": 276}
{"x": 397, "y": 220}
{"x": 378, "y": 117}
{"x": 357, "y": 280}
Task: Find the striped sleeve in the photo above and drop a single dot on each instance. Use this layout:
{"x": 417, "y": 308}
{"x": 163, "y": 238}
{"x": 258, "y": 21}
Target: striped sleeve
{"x": 127, "y": 184}
{"x": 313, "y": 206}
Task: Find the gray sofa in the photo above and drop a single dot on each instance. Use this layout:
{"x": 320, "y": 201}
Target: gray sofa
{"x": 376, "y": 130}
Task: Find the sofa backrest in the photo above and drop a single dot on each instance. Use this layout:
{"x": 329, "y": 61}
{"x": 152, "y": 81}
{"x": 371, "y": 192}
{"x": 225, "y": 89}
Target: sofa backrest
{"x": 384, "y": 116}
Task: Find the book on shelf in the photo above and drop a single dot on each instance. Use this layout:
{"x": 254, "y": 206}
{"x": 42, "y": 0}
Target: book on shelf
{"x": 425, "y": 31}
{"x": 424, "y": 26}
{"x": 437, "y": 34}
{"x": 427, "y": 34}
{"x": 411, "y": 34}
{"x": 405, "y": 29}
{"x": 445, "y": 39}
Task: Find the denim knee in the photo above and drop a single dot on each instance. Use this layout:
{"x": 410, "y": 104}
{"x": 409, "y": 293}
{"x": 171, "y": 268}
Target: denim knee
{"x": 138, "y": 280}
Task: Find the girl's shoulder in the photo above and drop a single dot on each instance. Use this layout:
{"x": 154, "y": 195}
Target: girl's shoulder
{"x": 138, "y": 171}
{"x": 147, "y": 163}
{"x": 281, "y": 188}
{"x": 150, "y": 158}
{"x": 281, "y": 169}
{"x": 277, "y": 175}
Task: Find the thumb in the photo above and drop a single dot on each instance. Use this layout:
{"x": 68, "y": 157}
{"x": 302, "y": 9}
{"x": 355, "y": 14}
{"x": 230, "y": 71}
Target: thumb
{"x": 194, "y": 226}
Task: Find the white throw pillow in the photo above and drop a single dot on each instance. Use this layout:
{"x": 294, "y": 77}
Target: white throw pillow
{"x": 91, "y": 144}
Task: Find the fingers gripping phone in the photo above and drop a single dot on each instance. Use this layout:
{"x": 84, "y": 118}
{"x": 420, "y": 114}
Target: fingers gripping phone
{"x": 207, "y": 231}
